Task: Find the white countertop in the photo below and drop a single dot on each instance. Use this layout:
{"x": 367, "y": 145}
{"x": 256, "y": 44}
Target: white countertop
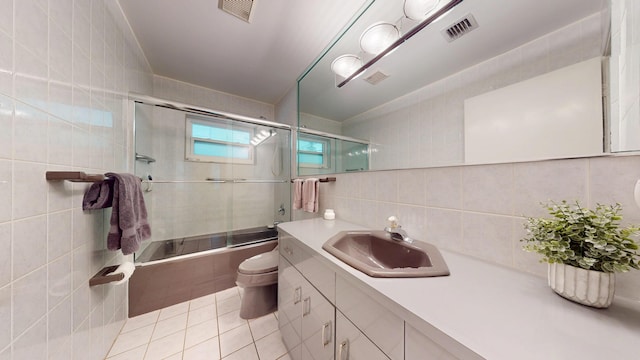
{"x": 496, "y": 312}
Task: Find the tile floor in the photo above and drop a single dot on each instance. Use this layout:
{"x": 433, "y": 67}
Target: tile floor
{"x": 204, "y": 328}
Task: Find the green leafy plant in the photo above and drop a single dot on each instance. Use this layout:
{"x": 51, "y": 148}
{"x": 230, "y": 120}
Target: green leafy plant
{"x": 585, "y": 238}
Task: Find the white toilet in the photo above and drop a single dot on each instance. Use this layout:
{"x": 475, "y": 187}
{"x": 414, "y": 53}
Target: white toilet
{"x": 258, "y": 277}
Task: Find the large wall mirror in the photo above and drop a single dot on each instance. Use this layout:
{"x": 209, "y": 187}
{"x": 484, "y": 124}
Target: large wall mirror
{"x": 530, "y": 71}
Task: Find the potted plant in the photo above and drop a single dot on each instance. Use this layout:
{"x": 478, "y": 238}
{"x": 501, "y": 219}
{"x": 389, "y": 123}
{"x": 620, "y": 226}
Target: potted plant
{"x": 584, "y": 249}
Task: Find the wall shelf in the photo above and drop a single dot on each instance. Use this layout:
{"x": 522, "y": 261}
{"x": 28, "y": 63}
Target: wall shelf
{"x": 74, "y": 176}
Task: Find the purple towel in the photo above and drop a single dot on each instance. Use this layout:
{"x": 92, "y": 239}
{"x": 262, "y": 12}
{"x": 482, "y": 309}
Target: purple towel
{"x": 99, "y": 195}
{"x": 129, "y": 224}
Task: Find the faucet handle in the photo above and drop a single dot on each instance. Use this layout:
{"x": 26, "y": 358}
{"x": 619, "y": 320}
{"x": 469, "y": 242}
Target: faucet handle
{"x": 394, "y": 222}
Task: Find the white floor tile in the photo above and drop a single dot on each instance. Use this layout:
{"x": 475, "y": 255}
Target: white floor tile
{"x": 203, "y": 301}
{"x": 263, "y": 326}
{"x": 132, "y": 339}
{"x": 201, "y": 332}
{"x": 133, "y": 354}
{"x": 208, "y": 327}
{"x": 140, "y": 321}
{"x": 202, "y": 314}
{"x": 169, "y": 326}
{"x": 174, "y": 310}
{"x": 225, "y": 294}
{"x": 235, "y": 339}
{"x": 230, "y": 321}
{"x": 166, "y": 346}
{"x": 208, "y": 350}
{"x": 271, "y": 347}
{"x": 230, "y": 304}
{"x": 246, "y": 353}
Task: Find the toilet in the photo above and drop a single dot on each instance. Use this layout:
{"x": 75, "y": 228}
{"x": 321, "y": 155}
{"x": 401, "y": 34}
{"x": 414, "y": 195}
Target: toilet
{"x": 258, "y": 277}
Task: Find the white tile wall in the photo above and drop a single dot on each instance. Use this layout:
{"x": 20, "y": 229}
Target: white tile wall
{"x": 479, "y": 210}
{"x": 65, "y": 67}
{"x": 425, "y": 128}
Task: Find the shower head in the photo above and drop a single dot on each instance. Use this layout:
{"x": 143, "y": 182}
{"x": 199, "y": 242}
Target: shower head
{"x": 262, "y": 136}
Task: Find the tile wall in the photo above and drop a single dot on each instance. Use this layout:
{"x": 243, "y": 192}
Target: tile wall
{"x": 65, "y": 69}
{"x": 479, "y": 210}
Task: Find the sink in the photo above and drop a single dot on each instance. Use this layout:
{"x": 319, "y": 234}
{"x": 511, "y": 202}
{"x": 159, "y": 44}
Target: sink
{"x": 377, "y": 255}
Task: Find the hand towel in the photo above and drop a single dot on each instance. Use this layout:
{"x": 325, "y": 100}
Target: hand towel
{"x": 297, "y": 193}
{"x": 99, "y": 195}
{"x": 310, "y": 189}
{"x": 128, "y": 225}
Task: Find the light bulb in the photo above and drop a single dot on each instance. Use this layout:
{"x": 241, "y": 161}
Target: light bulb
{"x": 346, "y": 65}
{"x": 419, "y": 9}
{"x": 379, "y": 36}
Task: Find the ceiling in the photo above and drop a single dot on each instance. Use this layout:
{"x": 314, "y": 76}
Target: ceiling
{"x": 196, "y": 42}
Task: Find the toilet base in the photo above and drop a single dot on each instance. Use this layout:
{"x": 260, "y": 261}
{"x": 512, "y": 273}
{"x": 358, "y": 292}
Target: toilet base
{"x": 259, "y": 301}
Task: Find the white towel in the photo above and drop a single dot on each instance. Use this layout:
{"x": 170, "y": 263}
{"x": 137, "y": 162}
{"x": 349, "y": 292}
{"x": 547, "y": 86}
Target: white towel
{"x": 310, "y": 195}
{"x": 297, "y": 193}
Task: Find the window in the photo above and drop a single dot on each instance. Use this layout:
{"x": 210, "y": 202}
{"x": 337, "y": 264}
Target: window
{"x": 213, "y": 140}
{"x": 313, "y": 151}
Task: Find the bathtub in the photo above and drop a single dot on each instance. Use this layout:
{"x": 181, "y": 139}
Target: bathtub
{"x": 173, "y": 271}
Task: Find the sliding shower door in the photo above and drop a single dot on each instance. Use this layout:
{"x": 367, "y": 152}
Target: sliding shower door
{"x": 209, "y": 180}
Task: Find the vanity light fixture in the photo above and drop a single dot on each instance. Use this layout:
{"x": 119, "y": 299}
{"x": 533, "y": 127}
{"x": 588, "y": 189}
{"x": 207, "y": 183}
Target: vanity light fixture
{"x": 377, "y": 37}
{"x": 418, "y": 10}
{"x": 425, "y": 11}
{"x": 346, "y": 65}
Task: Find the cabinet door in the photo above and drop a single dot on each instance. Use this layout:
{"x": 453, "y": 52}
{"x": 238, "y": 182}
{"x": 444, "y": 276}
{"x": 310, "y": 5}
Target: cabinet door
{"x": 318, "y": 325}
{"x": 351, "y": 344}
{"x": 290, "y": 307}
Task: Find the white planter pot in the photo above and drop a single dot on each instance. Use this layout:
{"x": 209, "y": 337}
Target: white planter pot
{"x": 587, "y": 287}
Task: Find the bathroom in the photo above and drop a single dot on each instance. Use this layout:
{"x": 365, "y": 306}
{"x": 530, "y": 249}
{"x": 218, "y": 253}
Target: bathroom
{"x": 66, "y": 69}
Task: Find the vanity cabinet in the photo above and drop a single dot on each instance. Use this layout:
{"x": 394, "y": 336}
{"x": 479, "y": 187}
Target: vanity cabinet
{"x": 352, "y": 344}
{"x": 326, "y": 315}
{"x": 306, "y": 319}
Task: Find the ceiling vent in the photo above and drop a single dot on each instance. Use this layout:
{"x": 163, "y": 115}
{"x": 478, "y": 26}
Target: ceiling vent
{"x": 461, "y": 27}
{"x": 376, "y": 77}
{"x": 238, "y": 8}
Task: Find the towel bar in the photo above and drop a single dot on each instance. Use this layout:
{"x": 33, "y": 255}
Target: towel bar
{"x": 74, "y": 176}
{"x": 103, "y": 277}
{"x": 324, "y": 180}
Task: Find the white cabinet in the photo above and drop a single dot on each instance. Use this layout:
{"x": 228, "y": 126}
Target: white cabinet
{"x": 379, "y": 324}
{"x": 306, "y": 319}
{"x": 352, "y": 344}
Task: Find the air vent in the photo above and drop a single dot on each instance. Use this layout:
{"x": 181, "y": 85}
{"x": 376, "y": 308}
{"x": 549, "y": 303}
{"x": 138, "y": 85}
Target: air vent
{"x": 376, "y": 77}
{"x": 461, "y": 27}
{"x": 238, "y": 8}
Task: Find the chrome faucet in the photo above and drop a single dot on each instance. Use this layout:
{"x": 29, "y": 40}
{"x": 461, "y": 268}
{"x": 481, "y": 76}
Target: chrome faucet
{"x": 395, "y": 230}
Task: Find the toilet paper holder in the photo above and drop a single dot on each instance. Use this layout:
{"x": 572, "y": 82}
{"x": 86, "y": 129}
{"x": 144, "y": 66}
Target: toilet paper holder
{"x": 116, "y": 274}
{"x": 104, "y": 276}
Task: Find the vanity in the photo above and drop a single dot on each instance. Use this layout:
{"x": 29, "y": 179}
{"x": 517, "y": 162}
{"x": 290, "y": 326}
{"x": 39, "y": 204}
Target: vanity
{"x": 329, "y": 310}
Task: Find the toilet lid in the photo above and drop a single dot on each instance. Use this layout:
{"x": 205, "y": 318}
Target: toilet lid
{"x": 261, "y": 263}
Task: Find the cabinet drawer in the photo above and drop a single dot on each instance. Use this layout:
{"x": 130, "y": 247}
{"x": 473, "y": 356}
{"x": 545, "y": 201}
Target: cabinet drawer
{"x": 290, "y": 249}
{"x": 351, "y": 344}
{"x": 320, "y": 275}
{"x": 380, "y": 325}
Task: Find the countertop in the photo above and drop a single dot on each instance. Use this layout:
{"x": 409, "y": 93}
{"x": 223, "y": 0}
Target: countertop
{"x": 496, "y": 312}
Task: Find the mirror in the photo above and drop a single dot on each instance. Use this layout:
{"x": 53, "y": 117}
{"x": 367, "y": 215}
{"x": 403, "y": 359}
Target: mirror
{"x": 412, "y": 106}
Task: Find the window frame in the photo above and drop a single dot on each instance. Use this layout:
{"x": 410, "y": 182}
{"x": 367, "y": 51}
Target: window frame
{"x": 326, "y": 159}
{"x": 190, "y": 141}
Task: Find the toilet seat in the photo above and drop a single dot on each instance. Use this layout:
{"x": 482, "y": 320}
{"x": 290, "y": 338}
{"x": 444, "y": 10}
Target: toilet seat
{"x": 260, "y": 264}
